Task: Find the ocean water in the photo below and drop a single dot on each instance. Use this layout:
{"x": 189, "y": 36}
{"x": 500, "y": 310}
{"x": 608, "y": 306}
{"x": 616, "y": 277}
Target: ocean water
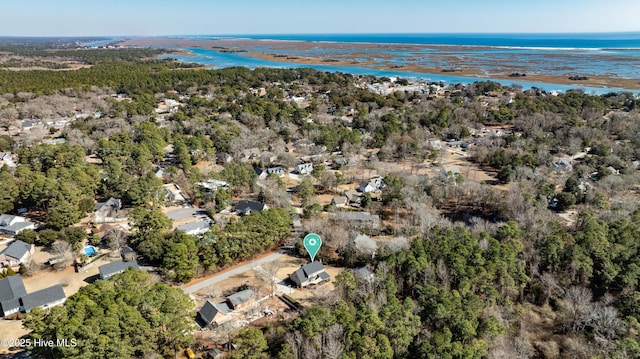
{"x": 623, "y": 40}
{"x": 611, "y": 55}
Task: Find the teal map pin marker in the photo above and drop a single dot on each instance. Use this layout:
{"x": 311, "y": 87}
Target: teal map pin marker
{"x": 312, "y": 243}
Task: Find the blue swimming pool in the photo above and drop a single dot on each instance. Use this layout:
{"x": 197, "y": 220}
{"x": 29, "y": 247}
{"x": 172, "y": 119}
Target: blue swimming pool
{"x": 90, "y": 250}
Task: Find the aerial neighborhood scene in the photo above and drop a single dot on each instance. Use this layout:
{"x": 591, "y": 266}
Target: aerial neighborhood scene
{"x": 362, "y": 180}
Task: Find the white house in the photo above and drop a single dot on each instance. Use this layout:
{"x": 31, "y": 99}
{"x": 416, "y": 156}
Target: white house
{"x": 194, "y": 228}
{"x": 12, "y": 225}
{"x": 16, "y": 253}
{"x": 310, "y": 273}
{"x": 109, "y": 211}
{"x": 304, "y": 168}
{"x": 372, "y": 185}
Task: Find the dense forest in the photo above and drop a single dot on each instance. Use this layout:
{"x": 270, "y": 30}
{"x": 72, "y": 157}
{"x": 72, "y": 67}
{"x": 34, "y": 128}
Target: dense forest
{"x": 490, "y": 269}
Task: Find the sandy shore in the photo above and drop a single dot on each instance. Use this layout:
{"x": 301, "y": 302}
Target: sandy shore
{"x": 376, "y": 56}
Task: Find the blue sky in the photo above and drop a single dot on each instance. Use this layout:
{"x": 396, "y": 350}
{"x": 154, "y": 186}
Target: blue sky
{"x": 181, "y": 17}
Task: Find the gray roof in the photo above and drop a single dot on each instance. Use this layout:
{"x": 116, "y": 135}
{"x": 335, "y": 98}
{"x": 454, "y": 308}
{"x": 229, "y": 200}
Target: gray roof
{"x": 11, "y": 289}
{"x": 307, "y": 271}
{"x": 240, "y": 297}
{"x": 210, "y": 310}
{"x": 358, "y": 216}
{"x": 43, "y": 297}
{"x": 365, "y": 244}
{"x": 111, "y": 203}
{"x": 252, "y": 206}
{"x": 17, "y": 249}
{"x": 340, "y": 200}
{"x": 193, "y": 226}
{"x": 313, "y": 267}
{"x": 110, "y": 269}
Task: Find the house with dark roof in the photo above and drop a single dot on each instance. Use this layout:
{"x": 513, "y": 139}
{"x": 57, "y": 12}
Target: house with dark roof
{"x": 244, "y": 208}
{"x": 216, "y": 314}
{"x": 110, "y": 269}
{"x": 44, "y": 298}
{"x": 213, "y": 314}
{"x": 12, "y": 225}
{"x": 17, "y": 252}
{"x": 308, "y": 274}
{"x": 11, "y": 289}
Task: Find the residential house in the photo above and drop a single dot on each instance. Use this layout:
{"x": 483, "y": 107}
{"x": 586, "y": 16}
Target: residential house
{"x": 27, "y": 125}
{"x": 244, "y": 208}
{"x": 310, "y": 273}
{"x": 341, "y": 162}
{"x": 354, "y": 197}
{"x": 450, "y": 172}
{"x": 6, "y": 157}
{"x": 223, "y": 158}
{"x": 16, "y": 253}
{"x": 304, "y": 168}
{"x": 159, "y": 172}
{"x": 365, "y": 245}
{"x": 14, "y": 297}
{"x": 216, "y": 314}
{"x": 44, "y": 298}
{"x": 359, "y": 218}
{"x": 194, "y": 228}
{"x": 372, "y": 185}
{"x": 213, "y": 314}
{"x": 339, "y": 201}
{"x": 109, "y": 211}
{"x": 11, "y": 290}
{"x": 276, "y": 170}
{"x": 128, "y": 254}
{"x": 563, "y": 165}
{"x": 173, "y": 194}
{"x": 110, "y": 269}
{"x": 241, "y": 299}
{"x": 211, "y": 186}
{"x": 435, "y": 144}
{"x": 12, "y": 225}
{"x": 250, "y": 154}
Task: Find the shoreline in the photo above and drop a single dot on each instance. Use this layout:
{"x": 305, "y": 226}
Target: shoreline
{"x": 377, "y": 57}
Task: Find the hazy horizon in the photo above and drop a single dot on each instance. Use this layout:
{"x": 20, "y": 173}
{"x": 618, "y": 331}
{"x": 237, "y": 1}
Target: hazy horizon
{"x": 74, "y": 18}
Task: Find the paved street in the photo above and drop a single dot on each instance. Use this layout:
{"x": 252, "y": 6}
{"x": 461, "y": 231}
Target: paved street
{"x": 230, "y": 273}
